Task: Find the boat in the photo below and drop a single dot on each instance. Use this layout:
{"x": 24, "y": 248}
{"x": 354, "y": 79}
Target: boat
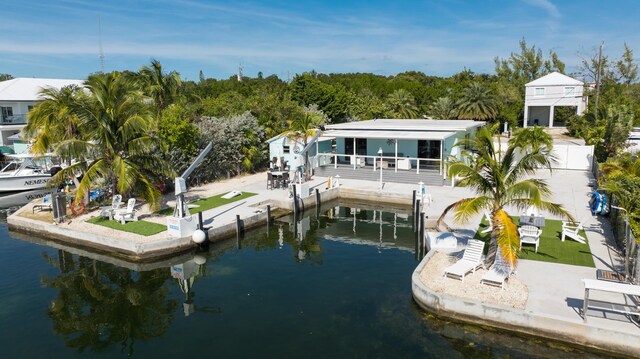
{"x": 25, "y": 172}
{"x": 19, "y": 199}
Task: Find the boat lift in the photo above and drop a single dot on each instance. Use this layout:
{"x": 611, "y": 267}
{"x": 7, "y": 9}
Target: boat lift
{"x": 182, "y": 223}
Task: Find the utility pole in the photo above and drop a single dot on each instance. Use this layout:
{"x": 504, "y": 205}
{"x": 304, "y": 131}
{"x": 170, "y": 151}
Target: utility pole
{"x": 598, "y": 76}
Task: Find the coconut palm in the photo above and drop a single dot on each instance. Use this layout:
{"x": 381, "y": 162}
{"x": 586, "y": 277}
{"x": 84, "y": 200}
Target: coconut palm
{"x": 54, "y": 119}
{"x": 532, "y": 137}
{"x": 477, "y": 103}
{"x": 501, "y": 180}
{"x": 159, "y": 85}
{"x": 443, "y": 109}
{"x": 118, "y": 144}
{"x": 304, "y": 126}
{"x": 402, "y": 104}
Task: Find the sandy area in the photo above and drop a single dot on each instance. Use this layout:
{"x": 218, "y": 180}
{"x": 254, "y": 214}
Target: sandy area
{"x": 514, "y": 295}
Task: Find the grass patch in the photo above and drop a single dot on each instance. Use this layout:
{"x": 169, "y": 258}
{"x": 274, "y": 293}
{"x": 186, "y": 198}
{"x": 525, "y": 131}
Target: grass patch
{"x": 140, "y": 227}
{"x": 209, "y": 203}
{"x": 551, "y": 248}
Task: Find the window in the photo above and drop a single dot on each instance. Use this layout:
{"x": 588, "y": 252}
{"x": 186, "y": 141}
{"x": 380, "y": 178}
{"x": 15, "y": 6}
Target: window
{"x": 29, "y": 108}
{"x": 6, "y": 111}
{"x": 286, "y": 148}
{"x": 538, "y": 91}
{"x": 569, "y": 90}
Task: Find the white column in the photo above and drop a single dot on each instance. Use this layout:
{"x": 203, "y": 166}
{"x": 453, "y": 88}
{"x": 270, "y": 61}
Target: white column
{"x": 551, "y": 111}
{"x": 355, "y": 159}
{"x": 441, "y": 155}
{"x": 526, "y": 116}
{"x": 396, "y": 166}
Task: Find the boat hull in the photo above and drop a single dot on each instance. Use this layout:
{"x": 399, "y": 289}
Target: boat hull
{"x": 23, "y": 183}
{"x": 17, "y": 199}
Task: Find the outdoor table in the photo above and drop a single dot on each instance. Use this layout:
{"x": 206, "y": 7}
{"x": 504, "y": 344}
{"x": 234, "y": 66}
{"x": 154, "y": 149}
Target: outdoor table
{"x": 537, "y": 221}
{"x": 277, "y": 176}
{"x": 611, "y": 287}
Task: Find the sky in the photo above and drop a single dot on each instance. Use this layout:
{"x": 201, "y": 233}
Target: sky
{"x": 63, "y": 38}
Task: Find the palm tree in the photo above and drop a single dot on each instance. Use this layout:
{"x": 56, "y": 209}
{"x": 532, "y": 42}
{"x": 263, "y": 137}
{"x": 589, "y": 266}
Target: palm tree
{"x": 402, "y": 104}
{"x": 118, "y": 143}
{"x": 305, "y": 126}
{"x": 443, "y": 109}
{"x": 532, "y": 137}
{"x": 476, "y": 103}
{"x": 500, "y": 180}
{"x": 159, "y": 85}
{"x": 54, "y": 119}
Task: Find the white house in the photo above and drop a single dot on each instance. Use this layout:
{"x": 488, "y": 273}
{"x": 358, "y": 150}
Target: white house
{"x": 543, "y": 95}
{"x": 17, "y": 97}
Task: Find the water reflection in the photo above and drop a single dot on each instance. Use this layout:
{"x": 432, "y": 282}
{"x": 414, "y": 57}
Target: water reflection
{"x": 100, "y": 305}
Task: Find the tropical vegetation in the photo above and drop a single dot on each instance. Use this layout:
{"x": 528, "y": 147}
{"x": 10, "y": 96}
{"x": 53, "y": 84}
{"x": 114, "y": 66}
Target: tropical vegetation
{"x": 501, "y": 178}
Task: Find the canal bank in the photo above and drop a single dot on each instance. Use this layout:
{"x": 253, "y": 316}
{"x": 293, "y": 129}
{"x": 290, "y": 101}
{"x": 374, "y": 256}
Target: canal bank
{"x": 604, "y": 334}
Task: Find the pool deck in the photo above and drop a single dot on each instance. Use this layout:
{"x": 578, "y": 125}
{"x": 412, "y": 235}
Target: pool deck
{"x": 556, "y": 291}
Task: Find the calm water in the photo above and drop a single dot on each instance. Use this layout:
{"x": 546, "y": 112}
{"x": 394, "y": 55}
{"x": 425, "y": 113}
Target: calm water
{"x": 335, "y": 285}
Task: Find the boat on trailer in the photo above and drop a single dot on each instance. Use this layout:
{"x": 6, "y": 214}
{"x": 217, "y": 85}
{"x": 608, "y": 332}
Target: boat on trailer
{"x": 25, "y": 172}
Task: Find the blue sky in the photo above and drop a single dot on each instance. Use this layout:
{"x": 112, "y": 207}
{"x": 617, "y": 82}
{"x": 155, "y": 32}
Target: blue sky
{"x": 59, "y": 38}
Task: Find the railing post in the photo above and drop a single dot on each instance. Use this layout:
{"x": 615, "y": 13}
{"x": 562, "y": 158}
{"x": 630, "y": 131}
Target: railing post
{"x": 418, "y": 165}
{"x": 335, "y": 160}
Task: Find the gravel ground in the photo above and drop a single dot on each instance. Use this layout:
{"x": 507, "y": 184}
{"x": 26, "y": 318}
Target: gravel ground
{"x": 514, "y": 295}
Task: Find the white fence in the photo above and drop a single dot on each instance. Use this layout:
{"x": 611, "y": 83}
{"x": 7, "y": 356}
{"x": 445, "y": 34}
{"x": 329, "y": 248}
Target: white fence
{"x": 572, "y": 157}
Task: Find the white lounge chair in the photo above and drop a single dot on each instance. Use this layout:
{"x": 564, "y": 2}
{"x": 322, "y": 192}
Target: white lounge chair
{"x": 530, "y": 235}
{"x": 572, "y": 231}
{"x": 470, "y": 261}
{"x": 110, "y": 211}
{"x": 499, "y": 272}
{"x": 127, "y": 215}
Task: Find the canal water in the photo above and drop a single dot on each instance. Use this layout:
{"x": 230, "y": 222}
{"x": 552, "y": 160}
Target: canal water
{"x": 334, "y": 284}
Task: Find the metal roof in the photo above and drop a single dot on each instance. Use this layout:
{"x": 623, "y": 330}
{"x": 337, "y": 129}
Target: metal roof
{"x": 399, "y": 135}
{"x": 28, "y": 89}
{"x": 555, "y": 79}
{"x": 414, "y": 125}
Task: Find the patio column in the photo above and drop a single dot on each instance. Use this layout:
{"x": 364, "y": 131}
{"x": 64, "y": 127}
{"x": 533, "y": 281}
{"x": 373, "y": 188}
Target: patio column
{"x": 441, "y": 155}
{"x": 355, "y": 160}
{"x": 526, "y": 116}
{"x": 396, "y": 166}
{"x": 551, "y": 111}
{"x": 317, "y": 155}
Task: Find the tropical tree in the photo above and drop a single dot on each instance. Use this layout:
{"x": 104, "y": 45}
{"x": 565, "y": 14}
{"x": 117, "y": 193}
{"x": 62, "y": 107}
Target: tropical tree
{"x": 501, "y": 180}
{"x": 55, "y": 119}
{"x": 532, "y": 137}
{"x": 305, "y": 126}
{"x": 476, "y": 103}
{"x": 118, "y": 143}
{"x": 162, "y": 87}
{"x": 5, "y": 77}
{"x": 402, "y": 104}
{"x": 443, "y": 109}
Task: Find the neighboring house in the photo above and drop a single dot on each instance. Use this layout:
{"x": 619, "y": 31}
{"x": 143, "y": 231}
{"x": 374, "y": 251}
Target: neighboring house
{"x": 414, "y": 150}
{"x": 543, "y": 95}
{"x": 17, "y": 98}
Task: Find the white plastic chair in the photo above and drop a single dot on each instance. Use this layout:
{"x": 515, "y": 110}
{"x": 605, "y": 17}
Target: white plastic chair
{"x": 129, "y": 214}
{"x": 109, "y": 211}
{"x": 470, "y": 261}
{"x": 530, "y": 235}
{"x": 572, "y": 231}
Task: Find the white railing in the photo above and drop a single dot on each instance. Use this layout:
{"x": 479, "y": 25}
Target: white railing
{"x": 398, "y": 163}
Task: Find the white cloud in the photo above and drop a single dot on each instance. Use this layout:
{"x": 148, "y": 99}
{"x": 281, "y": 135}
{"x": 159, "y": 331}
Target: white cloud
{"x": 546, "y": 5}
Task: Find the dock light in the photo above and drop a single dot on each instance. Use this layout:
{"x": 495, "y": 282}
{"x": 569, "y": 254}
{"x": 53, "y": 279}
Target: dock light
{"x": 380, "y": 153}
{"x": 198, "y": 236}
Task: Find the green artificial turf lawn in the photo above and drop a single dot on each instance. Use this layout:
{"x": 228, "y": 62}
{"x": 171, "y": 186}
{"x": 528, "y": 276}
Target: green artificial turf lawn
{"x": 211, "y": 202}
{"x": 551, "y": 248}
{"x": 139, "y": 227}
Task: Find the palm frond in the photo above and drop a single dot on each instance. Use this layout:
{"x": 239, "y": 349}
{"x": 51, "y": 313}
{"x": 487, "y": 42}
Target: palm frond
{"x": 507, "y": 236}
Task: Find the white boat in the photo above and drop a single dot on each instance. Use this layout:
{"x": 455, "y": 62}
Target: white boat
{"x": 19, "y": 199}
{"x": 25, "y": 172}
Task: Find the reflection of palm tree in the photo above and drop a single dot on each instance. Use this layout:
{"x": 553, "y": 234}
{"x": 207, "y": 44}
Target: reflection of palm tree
{"x": 99, "y": 305}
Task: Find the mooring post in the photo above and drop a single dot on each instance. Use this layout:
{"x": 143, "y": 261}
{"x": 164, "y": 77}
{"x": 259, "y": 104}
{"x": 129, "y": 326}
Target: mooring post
{"x": 416, "y": 214}
{"x": 317, "y": 198}
{"x": 421, "y": 228}
{"x": 413, "y": 201}
{"x": 268, "y": 214}
{"x": 200, "y": 227}
{"x": 295, "y": 201}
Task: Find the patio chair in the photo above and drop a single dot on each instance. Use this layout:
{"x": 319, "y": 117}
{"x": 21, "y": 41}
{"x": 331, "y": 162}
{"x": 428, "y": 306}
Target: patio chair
{"x": 46, "y": 204}
{"x": 499, "y": 272}
{"x": 572, "y": 231}
{"x": 129, "y": 214}
{"x": 530, "y": 235}
{"x": 109, "y": 211}
{"x": 470, "y": 261}
{"x": 269, "y": 180}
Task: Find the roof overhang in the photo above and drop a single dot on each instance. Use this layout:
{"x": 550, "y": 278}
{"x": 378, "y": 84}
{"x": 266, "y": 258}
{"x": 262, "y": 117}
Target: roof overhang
{"x": 396, "y": 135}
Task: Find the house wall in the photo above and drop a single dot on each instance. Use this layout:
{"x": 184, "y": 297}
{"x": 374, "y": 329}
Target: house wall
{"x": 553, "y": 96}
